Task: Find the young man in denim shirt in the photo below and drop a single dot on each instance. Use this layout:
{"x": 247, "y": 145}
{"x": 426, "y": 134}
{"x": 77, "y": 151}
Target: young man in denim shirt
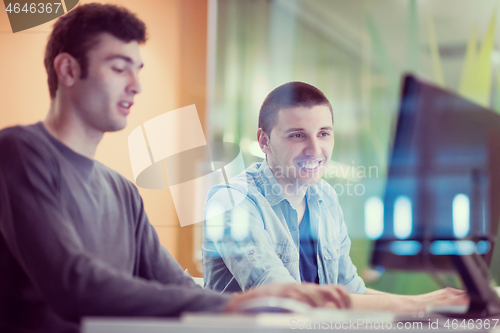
{"x": 287, "y": 225}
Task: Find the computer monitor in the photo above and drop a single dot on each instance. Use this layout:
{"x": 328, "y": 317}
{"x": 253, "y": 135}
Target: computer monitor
{"x": 442, "y": 199}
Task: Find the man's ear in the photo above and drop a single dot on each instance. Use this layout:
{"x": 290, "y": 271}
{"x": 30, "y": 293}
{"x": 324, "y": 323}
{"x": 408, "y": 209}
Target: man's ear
{"x": 263, "y": 141}
{"x": 67, "y": 69}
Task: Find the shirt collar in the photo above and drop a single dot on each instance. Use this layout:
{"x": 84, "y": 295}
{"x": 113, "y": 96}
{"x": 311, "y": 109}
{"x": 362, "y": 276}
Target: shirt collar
{"x": 273, "y": 192}
{"x": 83, "y": 164}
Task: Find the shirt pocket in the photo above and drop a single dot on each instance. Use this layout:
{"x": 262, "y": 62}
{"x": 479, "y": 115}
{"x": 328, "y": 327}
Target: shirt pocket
{"x": 286, "y": 252}
{"x": 331, "y": 251}
{"x": 331, "y": 256}
{"x": 289, "y": 256}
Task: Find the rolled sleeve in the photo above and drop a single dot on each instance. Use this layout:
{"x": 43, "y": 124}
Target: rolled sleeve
{"x": 348, "y": 275}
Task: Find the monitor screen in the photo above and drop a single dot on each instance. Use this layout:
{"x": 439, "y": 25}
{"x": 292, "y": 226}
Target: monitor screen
{"x": 443, "y": 188}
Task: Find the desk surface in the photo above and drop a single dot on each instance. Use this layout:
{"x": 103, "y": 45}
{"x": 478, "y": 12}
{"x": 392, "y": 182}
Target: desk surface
{"x": 317, "y": 320}
{"x": 277, "y": 323}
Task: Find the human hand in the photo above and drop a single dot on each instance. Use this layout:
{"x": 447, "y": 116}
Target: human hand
{"x": 330, "y": 296}
{"x": 446, "y": 296}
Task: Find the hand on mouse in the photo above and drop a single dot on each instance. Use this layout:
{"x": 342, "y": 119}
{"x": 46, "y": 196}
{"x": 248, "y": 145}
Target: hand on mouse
{"x": 330, "y": 296}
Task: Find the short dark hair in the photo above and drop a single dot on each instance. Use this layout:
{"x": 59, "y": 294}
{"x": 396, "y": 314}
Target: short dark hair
{"x": 77, "y": 31}
{"x": 289, "y": 95}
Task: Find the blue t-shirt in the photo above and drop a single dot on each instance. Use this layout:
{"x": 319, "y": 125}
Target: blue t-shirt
{"x": 308, "y": 262}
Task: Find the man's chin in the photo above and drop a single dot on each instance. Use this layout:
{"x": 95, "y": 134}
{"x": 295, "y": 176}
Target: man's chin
{"x": 311, "y": 178}
{"x": 116, "y": 126}
{"x": 309, "y": 181}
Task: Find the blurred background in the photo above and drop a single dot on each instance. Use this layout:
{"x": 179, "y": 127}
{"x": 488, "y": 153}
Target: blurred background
{"x": 225, "y": 56}
{"x": 356, "y": 53}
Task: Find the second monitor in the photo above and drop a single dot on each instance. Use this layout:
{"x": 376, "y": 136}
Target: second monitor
{"x": 442, "y": 199}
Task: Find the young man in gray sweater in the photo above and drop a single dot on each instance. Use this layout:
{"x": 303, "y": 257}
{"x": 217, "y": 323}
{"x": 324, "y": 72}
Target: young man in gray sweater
{"x": 75, "y": 240}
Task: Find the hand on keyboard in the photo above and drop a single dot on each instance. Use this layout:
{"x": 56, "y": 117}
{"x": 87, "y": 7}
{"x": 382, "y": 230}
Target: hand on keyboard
{"x": 329, "y": 296}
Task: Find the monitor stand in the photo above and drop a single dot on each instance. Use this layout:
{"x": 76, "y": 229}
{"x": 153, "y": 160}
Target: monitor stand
{"x": 484, "y": 301}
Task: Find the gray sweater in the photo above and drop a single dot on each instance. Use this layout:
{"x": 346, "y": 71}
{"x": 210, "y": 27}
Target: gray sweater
{"x": 75, "y": 241}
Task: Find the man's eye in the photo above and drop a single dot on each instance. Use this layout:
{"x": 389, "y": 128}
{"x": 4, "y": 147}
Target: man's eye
{"x": 117, "y": 70}
{"x": 296, "y": 135}
{"x": 324, "y": 134}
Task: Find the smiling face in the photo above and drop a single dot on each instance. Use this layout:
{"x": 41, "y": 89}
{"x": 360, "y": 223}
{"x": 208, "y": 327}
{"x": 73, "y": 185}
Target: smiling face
{"x": 103, "y": 99}
{"x": 300, "y": 145}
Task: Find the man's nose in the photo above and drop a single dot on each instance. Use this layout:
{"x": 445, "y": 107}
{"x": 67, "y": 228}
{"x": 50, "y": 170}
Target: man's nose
{"x": 313, "y": 147}
{"x": 134, "y": 85}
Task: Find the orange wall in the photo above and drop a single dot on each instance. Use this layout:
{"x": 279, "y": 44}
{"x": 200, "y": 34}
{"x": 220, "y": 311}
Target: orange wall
{"x": 170, "y": 79}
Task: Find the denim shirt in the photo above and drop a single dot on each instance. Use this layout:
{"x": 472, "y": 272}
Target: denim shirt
{"x": 255, "y": 240}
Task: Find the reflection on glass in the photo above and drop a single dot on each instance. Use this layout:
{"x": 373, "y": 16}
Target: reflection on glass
{"x": 254, "y": 149}
{"x": 374, "y": 218}
{"x": 462, "y": 247}
{"x": 239, "y": 225}
{"x": 483, "y": 247}
{"x": 215, "y": 224}
{"x": 406, "y": 248}
{"x": 461, "y": 215}
{"x": 402, "y": 217}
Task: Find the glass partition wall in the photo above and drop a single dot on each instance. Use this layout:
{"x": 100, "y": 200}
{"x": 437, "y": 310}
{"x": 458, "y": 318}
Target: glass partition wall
{"x": 355, "y": 51}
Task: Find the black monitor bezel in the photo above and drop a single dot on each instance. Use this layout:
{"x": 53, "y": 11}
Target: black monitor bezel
{"x": 412, "y": 88}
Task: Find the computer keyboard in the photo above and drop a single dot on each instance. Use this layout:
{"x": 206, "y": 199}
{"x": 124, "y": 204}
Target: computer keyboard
{"x": 325, "y": 317}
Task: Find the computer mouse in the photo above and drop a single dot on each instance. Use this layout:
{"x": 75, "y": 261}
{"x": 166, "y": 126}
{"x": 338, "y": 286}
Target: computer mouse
{"x": 273, "y": 305}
